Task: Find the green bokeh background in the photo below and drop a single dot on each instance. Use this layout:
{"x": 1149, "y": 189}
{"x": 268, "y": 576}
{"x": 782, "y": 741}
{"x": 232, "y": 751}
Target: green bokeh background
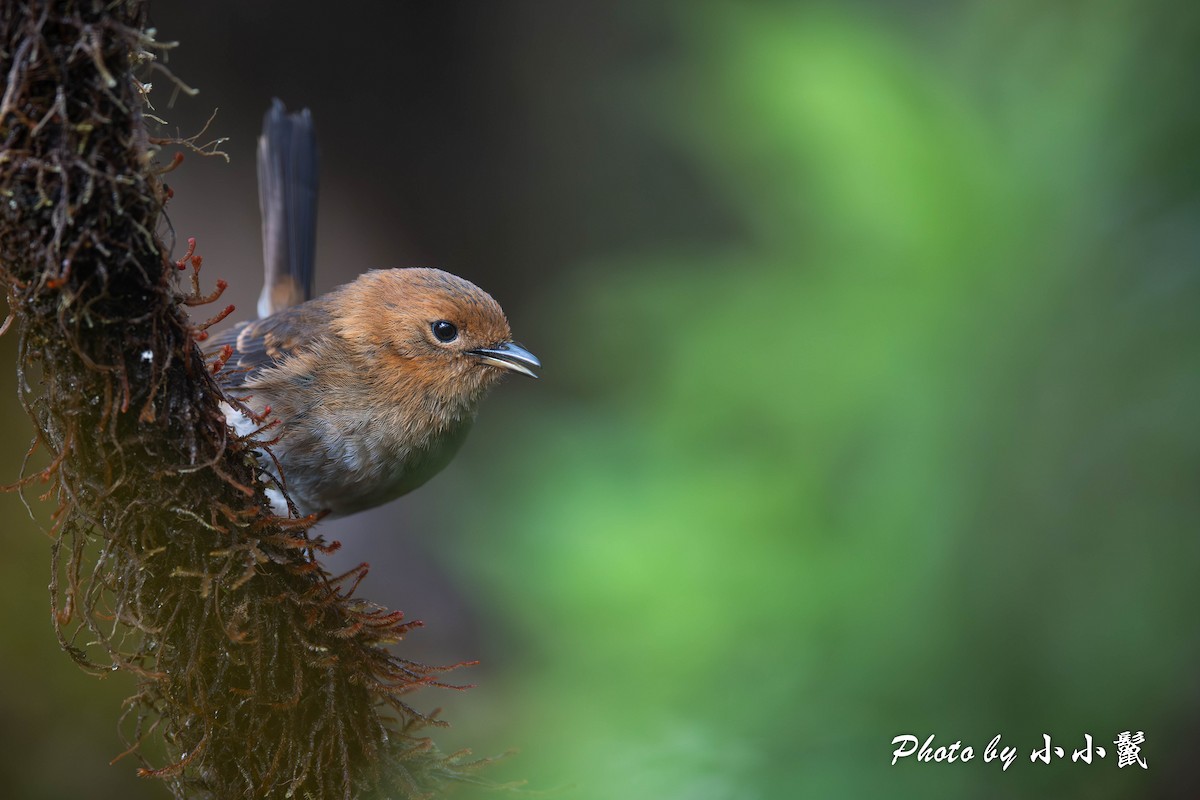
{"x": 895, "y": 433}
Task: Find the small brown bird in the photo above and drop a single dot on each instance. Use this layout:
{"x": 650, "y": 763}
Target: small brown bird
{"x": 376, "y": 383}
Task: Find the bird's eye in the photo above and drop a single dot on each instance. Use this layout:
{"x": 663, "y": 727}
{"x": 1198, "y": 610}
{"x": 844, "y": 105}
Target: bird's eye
{"x": 445, "y": 331}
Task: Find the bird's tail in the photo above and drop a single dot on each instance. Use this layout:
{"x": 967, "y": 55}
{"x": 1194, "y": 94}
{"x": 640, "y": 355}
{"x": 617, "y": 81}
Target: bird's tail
{"x": 287, "y": 199}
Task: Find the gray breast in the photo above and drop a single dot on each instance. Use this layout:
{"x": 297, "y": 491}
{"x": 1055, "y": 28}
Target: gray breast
{"x": 350, "y": 489}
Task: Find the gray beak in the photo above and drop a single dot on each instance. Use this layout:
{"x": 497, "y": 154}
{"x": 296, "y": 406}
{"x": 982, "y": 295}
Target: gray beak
{"x": 509, "y": 355}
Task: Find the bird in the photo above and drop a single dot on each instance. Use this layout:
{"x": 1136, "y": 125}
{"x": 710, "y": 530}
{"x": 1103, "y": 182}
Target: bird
{"x": 371, "y": 388}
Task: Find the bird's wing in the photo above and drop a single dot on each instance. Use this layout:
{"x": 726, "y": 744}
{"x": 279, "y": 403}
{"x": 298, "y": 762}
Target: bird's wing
{"x": 287, "y": 200}
{"x": 264, "y": 343}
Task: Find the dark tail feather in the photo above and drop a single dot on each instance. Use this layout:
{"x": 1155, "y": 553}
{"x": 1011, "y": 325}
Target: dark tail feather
{"x": 287, "y": 199}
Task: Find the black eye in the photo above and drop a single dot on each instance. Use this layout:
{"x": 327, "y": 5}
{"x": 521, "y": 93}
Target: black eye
{"x": 445, "y": 331}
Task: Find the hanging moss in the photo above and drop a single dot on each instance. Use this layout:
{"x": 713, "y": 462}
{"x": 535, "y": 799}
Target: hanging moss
{"x": 259, "y": 671}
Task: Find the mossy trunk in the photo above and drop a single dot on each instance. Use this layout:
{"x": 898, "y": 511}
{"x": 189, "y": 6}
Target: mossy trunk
{"x": 255, "y": 667}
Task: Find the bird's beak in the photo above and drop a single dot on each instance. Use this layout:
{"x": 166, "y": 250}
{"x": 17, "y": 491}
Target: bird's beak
{"x": 509, "y": 355}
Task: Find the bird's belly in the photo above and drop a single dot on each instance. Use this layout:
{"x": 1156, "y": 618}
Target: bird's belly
{"x": 384, "y": 476}
{"x": 327, "y": 470}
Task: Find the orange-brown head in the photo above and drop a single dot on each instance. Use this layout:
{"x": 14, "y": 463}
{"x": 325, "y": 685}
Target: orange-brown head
{"x": 427, "y": 330}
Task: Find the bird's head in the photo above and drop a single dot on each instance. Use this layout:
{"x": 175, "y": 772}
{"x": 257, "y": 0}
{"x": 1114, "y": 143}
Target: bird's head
{"x": 425, "y": 328}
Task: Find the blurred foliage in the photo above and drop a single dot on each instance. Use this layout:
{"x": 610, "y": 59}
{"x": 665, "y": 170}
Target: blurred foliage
{"x": 898, "y": 438}
{"x": 914, "y": 453}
